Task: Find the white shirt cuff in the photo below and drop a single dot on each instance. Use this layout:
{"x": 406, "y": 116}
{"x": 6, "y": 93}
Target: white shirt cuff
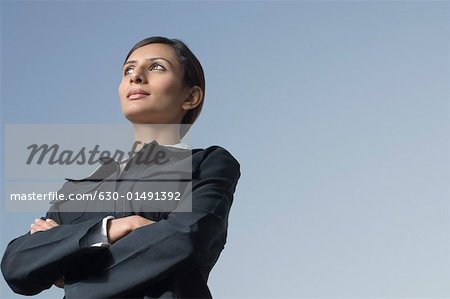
{"x": 104, "y": 233}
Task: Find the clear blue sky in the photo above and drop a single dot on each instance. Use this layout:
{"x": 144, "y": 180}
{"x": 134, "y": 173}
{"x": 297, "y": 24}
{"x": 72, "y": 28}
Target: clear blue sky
{"x": 337, "y": 111}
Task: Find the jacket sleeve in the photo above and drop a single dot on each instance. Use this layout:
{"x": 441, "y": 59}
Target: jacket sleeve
{"x": 31, "y": 263}
{"x": 174, "y": 246}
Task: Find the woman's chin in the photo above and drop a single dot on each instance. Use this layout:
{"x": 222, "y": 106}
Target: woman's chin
{"x": 147, "y": 117}
{"x": 141, "y": 118}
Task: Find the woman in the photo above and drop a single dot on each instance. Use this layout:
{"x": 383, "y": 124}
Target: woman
{"x": 133, "y": 253}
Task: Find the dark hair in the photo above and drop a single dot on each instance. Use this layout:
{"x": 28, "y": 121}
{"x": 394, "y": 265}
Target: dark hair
{"x": 193, "y": 72}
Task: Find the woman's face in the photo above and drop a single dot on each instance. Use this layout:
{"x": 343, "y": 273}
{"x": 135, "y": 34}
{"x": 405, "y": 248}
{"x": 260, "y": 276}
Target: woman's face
{"x": 152, "y": 89}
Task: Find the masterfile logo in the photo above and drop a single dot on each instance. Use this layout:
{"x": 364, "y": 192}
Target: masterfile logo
{"x": 95, "y": 168}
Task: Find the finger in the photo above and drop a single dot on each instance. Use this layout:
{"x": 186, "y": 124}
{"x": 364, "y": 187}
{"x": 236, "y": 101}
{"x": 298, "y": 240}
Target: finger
{"x": 51, "y": 221}
{"x": 36, "y": 228}
{"x": 40, "y": 225}
{"x": 32, "y": 230}
{"x": 43, "y": 223}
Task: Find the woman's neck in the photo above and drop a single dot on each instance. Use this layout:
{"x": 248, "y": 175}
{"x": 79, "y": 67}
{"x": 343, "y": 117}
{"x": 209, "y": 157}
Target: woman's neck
{"x": 164, "y": 134}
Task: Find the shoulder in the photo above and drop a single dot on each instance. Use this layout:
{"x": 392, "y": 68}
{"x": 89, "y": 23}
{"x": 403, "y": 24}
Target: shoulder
{"x": 216, "y": 161}
{"x": 214, "y": 154}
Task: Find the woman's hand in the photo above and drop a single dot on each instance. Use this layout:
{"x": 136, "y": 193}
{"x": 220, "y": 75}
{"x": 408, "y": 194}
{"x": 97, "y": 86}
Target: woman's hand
{"x": 42, "y": 225}
{"x": 59, "y": 283}
{"x": 119, "y": 228}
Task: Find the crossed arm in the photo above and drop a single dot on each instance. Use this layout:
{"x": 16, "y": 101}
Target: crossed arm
{"x": 116, "y": 229}
{"x": 170, "y": 247}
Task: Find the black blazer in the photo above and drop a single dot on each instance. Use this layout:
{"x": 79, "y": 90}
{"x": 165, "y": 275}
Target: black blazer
{"x": 171, "y": 258}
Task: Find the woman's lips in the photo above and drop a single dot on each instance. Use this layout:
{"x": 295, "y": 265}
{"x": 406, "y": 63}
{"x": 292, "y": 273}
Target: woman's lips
{"x": 136, "y": 93}
{"x": 136, "y": 96}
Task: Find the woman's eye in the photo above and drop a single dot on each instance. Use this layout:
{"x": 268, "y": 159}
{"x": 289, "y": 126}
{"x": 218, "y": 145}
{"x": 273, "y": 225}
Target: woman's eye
{"x": 156, "y": 65}
{"x": 127, "y": 71}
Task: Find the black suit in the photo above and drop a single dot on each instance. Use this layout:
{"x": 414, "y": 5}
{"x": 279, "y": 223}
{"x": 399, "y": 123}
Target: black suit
{"x": 171, "y": 258}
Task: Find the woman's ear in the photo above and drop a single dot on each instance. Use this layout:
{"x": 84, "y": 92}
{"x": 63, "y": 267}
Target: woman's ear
{"x": 194, "y": 98}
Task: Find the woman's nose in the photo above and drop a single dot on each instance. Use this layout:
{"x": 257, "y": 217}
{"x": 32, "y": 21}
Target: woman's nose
{"x": 137, "y": 77}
